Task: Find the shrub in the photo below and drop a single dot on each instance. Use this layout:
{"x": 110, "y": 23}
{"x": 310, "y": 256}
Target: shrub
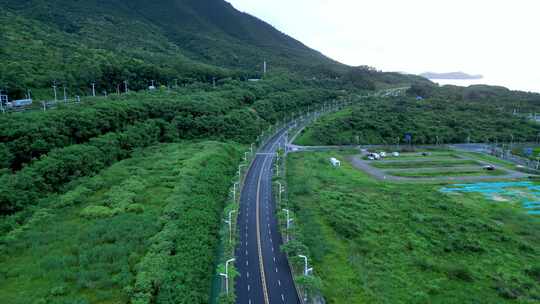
{"x": 135, "y": 208}
{"x": 461, "y": 273}
{"x": 534, "y": 272}
{"x": 96, "y": 212}
{"x": 58, "y": 291}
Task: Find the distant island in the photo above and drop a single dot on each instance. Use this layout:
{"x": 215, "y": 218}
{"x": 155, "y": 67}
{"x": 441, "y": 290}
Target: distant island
{"x": 452, "y": 75}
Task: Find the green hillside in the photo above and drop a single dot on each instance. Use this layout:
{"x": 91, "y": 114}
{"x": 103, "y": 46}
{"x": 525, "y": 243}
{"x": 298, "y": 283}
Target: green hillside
{"x": 79, "y": 42}
{"x": 445, "y": 115}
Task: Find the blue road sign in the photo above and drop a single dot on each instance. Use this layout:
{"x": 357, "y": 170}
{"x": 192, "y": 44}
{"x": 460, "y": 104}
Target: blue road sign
{"x": 408, "y": 137}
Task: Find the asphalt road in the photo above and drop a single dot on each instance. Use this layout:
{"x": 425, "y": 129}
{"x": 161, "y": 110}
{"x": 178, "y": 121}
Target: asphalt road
{"x": 265, "y": 276}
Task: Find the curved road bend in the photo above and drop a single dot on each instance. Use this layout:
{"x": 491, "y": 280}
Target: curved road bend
{"x": 265, "y": 276}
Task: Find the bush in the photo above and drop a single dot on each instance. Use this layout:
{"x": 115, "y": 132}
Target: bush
{"x": 534, "y": 272}
{"x": 58, "y": 291}
{"x": 62, "y": 166}
{"x": 461, "y": 273}
{"x": 96, "y": 212}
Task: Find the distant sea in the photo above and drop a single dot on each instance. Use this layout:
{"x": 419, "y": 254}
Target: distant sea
{"x": 512, "y": 84}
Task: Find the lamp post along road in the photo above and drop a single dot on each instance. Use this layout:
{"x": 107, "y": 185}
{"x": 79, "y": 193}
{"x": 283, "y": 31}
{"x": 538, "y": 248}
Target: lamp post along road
{"x": 230, "y": 225}
{"x": 289, "y": 220}
{"x": 306, "y": 269}
{"x": 234, "y": 191}
{"x": 240, "y": 173}
{"x": 306, "y": 273}
{"x": 226, "y": 275}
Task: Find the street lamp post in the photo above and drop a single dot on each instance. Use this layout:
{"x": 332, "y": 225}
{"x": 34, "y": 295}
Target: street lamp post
{"x": 281, "y": 190}
{"x": 234, "y": 191}
{"x": 306, "y": 272}
{"x": 240, "y": 171}
{"x": 230, "y": 225}
{"x": 289, "y": 220}
{"x": 226, "y": 275}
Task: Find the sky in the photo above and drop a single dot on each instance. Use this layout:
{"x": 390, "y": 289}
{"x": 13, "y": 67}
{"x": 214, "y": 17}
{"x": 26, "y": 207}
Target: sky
{"x": 499, "y": 39}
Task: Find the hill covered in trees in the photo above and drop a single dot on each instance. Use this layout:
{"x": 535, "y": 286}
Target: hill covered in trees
{"x": 431, "y": 115}
{"x": 76, "y": 43}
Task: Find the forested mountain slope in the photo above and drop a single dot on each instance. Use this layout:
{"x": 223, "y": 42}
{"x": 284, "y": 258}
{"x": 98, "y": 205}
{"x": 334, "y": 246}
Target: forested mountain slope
{"x": 78, "y": 42}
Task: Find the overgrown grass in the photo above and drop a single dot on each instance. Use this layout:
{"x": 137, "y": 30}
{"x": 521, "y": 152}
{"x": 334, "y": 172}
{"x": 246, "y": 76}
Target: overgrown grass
{"x": 380, "y": 242}
{"x": 90, "y": 245}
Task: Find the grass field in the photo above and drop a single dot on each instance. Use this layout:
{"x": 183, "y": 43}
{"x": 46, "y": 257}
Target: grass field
{"x": 383, "y": 242}
{"x": 127, "y": 235}
{"x": 424, "y": 164}
{"x": 442, "y": 173}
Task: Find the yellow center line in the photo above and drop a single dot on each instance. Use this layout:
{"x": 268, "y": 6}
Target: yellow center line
{"x": 261, "y": 263}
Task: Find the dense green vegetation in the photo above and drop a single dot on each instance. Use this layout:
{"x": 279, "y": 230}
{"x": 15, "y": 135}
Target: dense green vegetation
{"x": 380, "y": 242}
{"x": 76, "y": 43}
{"x": 143, "y": 231}
{"x": 428, "y": 121}
{"x": 232, "y": 111}
{"x": 501, "y": 98}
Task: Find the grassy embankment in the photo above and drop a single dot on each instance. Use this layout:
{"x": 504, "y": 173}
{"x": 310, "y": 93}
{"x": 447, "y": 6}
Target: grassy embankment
{"x": 380, "y": 242}
{"x": 143, "y": 231}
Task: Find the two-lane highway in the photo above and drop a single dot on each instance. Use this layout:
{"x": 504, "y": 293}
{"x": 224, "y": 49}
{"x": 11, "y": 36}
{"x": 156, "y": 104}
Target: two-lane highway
{"x": 265, "y": 276}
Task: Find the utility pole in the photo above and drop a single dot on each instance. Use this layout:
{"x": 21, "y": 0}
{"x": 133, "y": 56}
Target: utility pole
{"x": 65, "y": 95}
{"x": 265, "y": 67}
{"x": 93, "y": 89}
{"x": 126, "y": 86}
{"x": 54, "y": 88}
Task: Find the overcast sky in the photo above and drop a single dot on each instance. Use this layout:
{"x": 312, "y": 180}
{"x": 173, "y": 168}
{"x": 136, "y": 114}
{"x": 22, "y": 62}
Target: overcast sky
{"x": 497, "y": 38}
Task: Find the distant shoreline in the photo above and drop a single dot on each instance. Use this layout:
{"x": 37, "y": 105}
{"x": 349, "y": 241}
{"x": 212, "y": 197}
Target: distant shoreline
{"x": 451, "y": 76}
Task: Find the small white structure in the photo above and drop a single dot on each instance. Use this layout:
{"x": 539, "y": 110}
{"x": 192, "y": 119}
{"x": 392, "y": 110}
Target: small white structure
{"x": 382, "y": 154}
{"x": 335, "y": 162}
{"x": 395, "y": 154}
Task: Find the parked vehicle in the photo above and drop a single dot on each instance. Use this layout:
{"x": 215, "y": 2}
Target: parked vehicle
{"x": 20, "y": 103}
{"x": 374, "y": 156}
